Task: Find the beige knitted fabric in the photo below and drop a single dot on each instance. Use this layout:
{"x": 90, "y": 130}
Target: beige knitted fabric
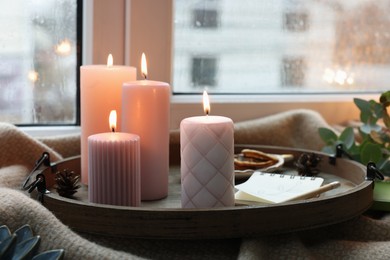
{"x": 296, "y": 128}
{"x": 361, "y": 238}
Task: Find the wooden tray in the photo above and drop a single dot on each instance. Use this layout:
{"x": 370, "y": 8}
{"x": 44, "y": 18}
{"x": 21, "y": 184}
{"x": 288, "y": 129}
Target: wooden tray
{"x": 166, "y": 219}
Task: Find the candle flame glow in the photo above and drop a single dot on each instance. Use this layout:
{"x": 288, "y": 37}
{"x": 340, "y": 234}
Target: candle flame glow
{"x": 110, "y": 60}
{"x": 206, "y": 103}
{"x": 112, "y": 120}
{"x": 144, "y": 66}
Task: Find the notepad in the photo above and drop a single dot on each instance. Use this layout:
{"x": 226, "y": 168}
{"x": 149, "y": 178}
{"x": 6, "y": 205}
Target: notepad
{"x": 275, "y": 188}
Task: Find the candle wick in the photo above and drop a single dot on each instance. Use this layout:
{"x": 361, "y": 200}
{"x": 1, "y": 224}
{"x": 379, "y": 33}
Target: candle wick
{"x": 113, "y": 129}
{"x": 145, "y": 76}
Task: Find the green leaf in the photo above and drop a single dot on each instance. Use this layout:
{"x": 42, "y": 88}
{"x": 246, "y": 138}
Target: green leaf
{"x": 330, "y": 149}
{"x": 327, "y": 135}
{"x": 384, "y": 167}
{"x": 363, "y": 105}
{"x": 385, "y": 98}
{"x": 377, "y": 109}
{"x": 376, "y": 137}
{"x": 386, "y": 119}
{"x": 370, "y": 153}
{"x": 347, "y": 137}
{"x": 367, "y": 128}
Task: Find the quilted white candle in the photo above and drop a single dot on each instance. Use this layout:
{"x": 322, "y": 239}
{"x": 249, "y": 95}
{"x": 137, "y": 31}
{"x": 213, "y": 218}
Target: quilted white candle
{"x": 207, "y": 161}
{"x": 114, "y": 168}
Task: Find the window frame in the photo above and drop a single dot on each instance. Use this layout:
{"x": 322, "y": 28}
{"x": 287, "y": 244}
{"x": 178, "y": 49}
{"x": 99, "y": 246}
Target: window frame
{"x": 133, "y": 31}
{"x": 335, "y": 108}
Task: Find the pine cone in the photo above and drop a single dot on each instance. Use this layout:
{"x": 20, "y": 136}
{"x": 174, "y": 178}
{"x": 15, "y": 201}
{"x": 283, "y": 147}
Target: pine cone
{"x": 307, "y": 164}
{"x": 67, "y": 183}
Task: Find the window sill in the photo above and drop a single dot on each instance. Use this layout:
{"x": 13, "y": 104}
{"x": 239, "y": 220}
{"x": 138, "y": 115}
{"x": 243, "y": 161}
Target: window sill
{"x": 50, "y": 131}
{"x": 335, "y": 109}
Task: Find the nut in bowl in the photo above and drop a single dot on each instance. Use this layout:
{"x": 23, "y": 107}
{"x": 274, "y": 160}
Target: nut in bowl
{"x": 249, "y": 160}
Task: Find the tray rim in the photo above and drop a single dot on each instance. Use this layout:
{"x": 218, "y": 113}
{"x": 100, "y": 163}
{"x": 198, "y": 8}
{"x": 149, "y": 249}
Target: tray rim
{"x": 168, "y": 215}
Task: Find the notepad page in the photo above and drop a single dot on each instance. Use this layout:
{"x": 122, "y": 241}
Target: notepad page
{"x": 274, "y": 188}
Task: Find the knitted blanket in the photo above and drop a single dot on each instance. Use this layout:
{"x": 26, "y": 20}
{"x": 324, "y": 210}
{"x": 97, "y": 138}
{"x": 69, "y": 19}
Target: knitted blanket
{"x": 361, "y": 238}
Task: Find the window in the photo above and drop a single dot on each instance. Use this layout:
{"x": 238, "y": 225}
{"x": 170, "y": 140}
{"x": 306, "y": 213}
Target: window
{"x": 39, "y": 59}
{"x": 205, "y": 18}
{"x": 169, "y": 60}
{"x": 296, "y": 21}
{"x": 293, "y": 72}
{"x": 276, "y": 47}
{"x": 204, "y": 72}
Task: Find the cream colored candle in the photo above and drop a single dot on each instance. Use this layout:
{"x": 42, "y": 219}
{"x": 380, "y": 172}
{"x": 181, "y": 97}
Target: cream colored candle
{"x": 100, "y": 91}
{"x": 114, "y": 167}
{"x": 145, "y": 108}
{"x": 207, "y": 161}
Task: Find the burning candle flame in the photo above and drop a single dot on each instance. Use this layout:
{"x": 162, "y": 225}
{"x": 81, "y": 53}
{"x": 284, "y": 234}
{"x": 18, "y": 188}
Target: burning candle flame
{"x": 110, "y": 60}
{"x": 206, "y": 103}
{"x": 112, "y": 120}
{"x": 144, "y": 66}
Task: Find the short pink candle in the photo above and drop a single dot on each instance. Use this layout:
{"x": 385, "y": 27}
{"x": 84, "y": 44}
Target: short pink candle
{"x": 145, "y": 108}
{"x": 114, "y": 168}
{"x": 100, "y": 92}
{"x": 207, "y": 161}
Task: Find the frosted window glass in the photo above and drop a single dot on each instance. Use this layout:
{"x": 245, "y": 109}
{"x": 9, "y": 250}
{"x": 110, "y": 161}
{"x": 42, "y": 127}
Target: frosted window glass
{"x": 38, "y": 61}
{"x": 283, "y": 46}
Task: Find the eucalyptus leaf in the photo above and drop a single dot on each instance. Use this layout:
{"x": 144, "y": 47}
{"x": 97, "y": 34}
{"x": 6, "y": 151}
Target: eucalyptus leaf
{"x": 373, "y": 144}
{"x": 327, "y": 135}
{"x": 386, "y": 120}
{"x": 384, "y": 167}
{"x": 385, "y": 98}
{"x": 376, "y": 137}
{"x": 329, "y": 149}
{"x": 354, "y": 151}
{"x": 370, "y": 111}
{"x": 365, "y": 117}
{"x": 363, "y": 105}
{"x": 347, "y": 137}
{"x": 370, "y": 153}
{"x": 377, "y": 109}
{"x": 366, "y": 128}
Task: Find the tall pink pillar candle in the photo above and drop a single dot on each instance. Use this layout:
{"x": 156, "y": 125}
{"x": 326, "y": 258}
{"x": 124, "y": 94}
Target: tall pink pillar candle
{"x": 100, "y": 92}
{"x": 145, "y": 108}
{"x": 114, "y": 169}
{"x": 207, "y": 162}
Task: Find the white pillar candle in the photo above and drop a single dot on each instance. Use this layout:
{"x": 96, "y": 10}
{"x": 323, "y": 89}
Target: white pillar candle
{"x": 145, "y": 108}
{"x": 114, "y": 168}
{"x": 207, "y": 161}
{"x": 100, "y": 91}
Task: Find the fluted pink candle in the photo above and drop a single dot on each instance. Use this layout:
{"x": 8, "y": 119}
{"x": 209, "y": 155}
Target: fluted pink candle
{"x": 207, "y": 160}
{"x": 100, "y": 92}
{"x": 114, "y": 168}
{"x": 145, "y": 108}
